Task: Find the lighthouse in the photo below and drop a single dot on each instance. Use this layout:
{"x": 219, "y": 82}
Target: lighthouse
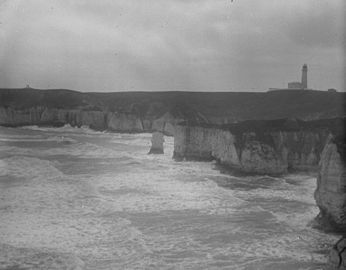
{"x": 305, "y": 76}
{"x": 303, "y": 84}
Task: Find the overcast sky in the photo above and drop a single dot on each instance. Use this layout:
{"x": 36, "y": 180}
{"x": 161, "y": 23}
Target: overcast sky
{"x": 194, "y": 45}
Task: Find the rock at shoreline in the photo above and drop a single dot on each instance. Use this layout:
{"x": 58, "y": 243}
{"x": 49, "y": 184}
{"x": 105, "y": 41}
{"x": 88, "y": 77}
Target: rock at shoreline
{"x": 157, "y": 143}
{"x": 337, "y": 256}
{"x": 255, "y": 147}
{"x": 330, "y": 193}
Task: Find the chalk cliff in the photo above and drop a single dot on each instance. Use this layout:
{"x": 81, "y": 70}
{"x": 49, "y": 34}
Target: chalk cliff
{"x": 160, "y": 111}
{"x": 124, "y": 122}
{"x": 271, "y": 147}
{"x": 98, "y": 120}
{"x": 330, "y": 193}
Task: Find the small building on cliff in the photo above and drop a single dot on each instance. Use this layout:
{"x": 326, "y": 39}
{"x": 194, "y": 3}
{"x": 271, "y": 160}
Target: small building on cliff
{"x": 304, "y": 81}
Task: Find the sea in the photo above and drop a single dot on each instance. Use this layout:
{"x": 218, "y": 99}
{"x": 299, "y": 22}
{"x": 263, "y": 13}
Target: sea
{"x": 74, "y": 198}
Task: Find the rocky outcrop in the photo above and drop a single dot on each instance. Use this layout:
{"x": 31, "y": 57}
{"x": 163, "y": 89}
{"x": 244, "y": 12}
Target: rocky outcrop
{"x": 157, "y": 141}
{"x": 46, "y": 116}
{"x": 98, "y": 120}
{"x": 337, "y": 256}
{"x": 166, "y": 123}
{"x": 12, "y": 117}
{"x": 330, "y": 193}
{"x": 253, "y": 149}
{"x": 124, "y": 122}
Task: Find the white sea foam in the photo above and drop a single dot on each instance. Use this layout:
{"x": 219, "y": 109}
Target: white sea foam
{"x": 64, "y": 128}
{"x": 28, "y": 167}
{"x": 154, "y": 194}
{"x": 37, "y": 259}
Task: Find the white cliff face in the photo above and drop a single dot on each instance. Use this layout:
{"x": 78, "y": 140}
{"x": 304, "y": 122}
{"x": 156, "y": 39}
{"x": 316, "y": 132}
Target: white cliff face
{"x": 262, "y": 153}
{"x": 179, "y": 142}
{"x": 40, "y": 115}
{"x": 10, "y": 116}
{"x": 94, "y": 119}
{"x": 124, "y": 122}
{"x": 194, "y": 143}
{"x": 330, "y": 194}
{"x": 99, "y": 120}
{"x": 224, "y": 150}
{"x": 49, "y": 115}
{"x": 169, "y": 127}
{"x": 166, "y": 124}
{"x": 261, "y": 158}
{"x": 301, "y": 150}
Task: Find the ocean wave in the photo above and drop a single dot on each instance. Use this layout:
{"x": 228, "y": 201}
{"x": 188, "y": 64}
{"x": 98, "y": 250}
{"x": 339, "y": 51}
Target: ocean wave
{"x": 162, "y": 191}
{"x": 27, "y": 258}
{"x": 104, "y": 201}
{"x": 28, "y": 168}
{"x": 64, "y": 129}
{"x": 58, "y": 139}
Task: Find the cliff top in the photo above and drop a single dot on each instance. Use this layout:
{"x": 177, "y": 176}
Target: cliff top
{"x": 335, "y": 125}
{"x": 213, "y": 107}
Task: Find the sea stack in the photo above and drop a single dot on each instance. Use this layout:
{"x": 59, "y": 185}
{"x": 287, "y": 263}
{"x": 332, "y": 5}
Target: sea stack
{"x": 330, "y": 193}
{"x": 157, "y": 143}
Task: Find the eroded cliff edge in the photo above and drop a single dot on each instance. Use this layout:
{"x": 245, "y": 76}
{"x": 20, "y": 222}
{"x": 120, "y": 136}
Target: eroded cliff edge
{"x": 276, "y": 147}
{"x": 330, "y": 194}
{"x": 160, "y": 111}
{"x": 260, "y": 147}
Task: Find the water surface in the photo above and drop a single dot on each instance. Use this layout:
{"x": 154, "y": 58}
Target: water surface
{"x": 79, "y": 199}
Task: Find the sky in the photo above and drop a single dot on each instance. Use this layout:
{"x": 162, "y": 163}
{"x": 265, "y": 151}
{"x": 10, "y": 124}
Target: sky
{"x": 163, "y": 45}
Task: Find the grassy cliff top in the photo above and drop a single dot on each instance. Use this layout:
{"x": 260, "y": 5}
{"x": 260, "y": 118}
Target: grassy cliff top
{"x": 214, "y": 106}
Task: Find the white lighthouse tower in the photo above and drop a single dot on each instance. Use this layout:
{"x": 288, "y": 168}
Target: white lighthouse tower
{"x": 305, "y": 76}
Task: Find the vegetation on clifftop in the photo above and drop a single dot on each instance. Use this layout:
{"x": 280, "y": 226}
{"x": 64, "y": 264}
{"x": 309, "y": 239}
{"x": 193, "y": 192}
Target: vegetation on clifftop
{"x": 210, "y": 107}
